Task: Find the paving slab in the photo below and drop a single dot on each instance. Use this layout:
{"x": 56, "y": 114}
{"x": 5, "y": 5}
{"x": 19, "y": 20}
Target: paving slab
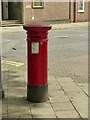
{"x": 0, "y": 108}
{"x": 70, "y": 119}
{"x": 4, "y": 108}
{"x": 58, "y": 96}
{"x": 62, "y": 106}
{"x": 68, "y": 84}
{"x": 65, "y": 80}
{"x": 25, "y": 112}
{"x": 53, "y": 84}
{"x": 71, "y": 88}
{"x": 77, "y": 96}
{"x": 42, "y": 110}
{"x": 82, "y": 108}
{"x": 67, "y": 114}
{"x": 54, "y": 87}
{"x": 84, "y": 87}
{"x": 22, "y": 110}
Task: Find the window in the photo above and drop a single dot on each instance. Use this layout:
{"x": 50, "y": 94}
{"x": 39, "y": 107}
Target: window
{"x": 81, "y": 6}
{"x": 38, "y": 4}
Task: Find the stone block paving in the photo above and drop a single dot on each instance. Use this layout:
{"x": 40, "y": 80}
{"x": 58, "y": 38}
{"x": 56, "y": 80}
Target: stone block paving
{"x": 64, "y": 97}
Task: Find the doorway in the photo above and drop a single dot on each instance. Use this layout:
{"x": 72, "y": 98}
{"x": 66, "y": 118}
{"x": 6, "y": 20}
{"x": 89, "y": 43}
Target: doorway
{"x": 4, "y": 10}
{"x": 12, "y": 11}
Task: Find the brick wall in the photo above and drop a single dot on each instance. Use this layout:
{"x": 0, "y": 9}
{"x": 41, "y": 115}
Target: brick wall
{"x": 72, "y": 12}
{"x": 26, "y": 12}
{"x": 83, "y": 16}
{"x": 51, "y": 11}
{"x": 31, "y": 15}
{"x": 79, "y": 16}
{"x": 54, "y": 11}
{"x": 88, "y": 12}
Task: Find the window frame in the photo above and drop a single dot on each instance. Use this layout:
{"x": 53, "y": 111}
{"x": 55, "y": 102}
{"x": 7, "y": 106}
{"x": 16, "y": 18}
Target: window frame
{"x": 79, "y": 6}
{"x": 38, "y": 7}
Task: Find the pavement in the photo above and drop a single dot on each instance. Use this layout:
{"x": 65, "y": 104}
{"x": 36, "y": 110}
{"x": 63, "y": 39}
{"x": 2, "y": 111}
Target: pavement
{"x": 54, "y": 26}
{"x": 67, "y": 97}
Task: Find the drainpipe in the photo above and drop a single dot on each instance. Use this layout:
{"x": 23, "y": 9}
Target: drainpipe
{"x": 70, "y": 10}
{"x": 74, "y": 20}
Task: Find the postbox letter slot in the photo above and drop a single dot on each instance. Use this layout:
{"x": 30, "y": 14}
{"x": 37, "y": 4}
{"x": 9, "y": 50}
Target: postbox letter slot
{"x": 35, "y": 47}
{"x": 35, "y": 36}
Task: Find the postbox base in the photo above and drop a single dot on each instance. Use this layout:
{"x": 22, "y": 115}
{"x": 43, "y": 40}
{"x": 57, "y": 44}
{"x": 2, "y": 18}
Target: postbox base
{"x": 37, "y": 94}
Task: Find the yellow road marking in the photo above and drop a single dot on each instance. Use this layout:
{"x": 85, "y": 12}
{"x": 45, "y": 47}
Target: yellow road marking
{"x": 14, "y": 63}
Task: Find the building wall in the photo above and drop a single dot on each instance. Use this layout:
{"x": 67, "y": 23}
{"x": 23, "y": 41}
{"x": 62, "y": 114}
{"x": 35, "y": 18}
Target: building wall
{"x": 27, "y": 12}
{"x": 89, "y": 13}
{"x": 79, "y": 16}
{"x": 72, "y": 12}
{"x": 32, "y": 15}
{"x": 51, "y": 11}
{"x": 83, "y": 16}
{"x": 60, "y": 11}
{"x": 56, "y": 11}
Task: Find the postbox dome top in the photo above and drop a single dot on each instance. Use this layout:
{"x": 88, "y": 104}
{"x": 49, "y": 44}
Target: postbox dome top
{"x": 37, "y": 27}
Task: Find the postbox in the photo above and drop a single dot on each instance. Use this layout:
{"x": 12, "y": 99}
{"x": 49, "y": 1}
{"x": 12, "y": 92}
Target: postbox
{"x": 37, "y": 53}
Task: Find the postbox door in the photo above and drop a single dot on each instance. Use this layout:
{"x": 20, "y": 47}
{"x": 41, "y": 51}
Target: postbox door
{"x": 43, "y": 59}
{"x": 37, "y": 57}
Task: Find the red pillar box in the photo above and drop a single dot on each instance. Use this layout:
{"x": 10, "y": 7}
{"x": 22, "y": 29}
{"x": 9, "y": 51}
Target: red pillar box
{"x": 37, "y": 42}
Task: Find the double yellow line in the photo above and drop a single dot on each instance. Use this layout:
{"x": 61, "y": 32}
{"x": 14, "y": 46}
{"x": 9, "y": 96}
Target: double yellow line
{"x": 13, "y": 63}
